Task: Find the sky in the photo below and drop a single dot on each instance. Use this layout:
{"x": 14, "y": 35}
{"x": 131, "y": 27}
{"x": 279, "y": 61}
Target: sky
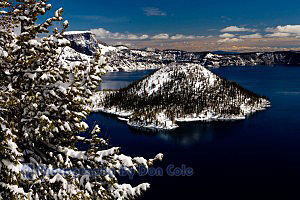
{"x": 230, "y": 25}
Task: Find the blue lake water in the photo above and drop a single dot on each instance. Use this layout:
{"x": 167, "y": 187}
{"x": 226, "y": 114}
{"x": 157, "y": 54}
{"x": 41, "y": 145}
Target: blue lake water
{"x": 117, "y": 80}
{"x": 256, "y": 158}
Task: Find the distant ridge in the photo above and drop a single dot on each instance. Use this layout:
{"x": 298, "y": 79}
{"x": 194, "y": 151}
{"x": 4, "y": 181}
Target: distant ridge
{"x": 123, "y": 58}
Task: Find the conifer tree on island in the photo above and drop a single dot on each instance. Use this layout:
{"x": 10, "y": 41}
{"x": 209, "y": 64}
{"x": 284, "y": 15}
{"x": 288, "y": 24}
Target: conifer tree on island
{"x": 42, "y": 104}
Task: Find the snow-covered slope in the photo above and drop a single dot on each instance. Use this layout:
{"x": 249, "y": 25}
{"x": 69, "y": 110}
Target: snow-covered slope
{"x": 181, "y": 92}
{"x": 117, "y": 58}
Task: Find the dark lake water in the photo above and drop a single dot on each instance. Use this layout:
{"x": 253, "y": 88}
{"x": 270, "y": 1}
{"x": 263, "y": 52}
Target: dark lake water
{"x": 256, "y": 158}
{"x": 117, "y": 80}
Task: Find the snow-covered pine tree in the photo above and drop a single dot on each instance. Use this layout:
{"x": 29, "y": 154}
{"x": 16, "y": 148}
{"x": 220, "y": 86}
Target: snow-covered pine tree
{"x": 42, "y": 104}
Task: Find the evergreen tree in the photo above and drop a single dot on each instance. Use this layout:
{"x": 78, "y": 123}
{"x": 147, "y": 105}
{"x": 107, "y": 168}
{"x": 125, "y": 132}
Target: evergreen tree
{"x": 42, "y": 103}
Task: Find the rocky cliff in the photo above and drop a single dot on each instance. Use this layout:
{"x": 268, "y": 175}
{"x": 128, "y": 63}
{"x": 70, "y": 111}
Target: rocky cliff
{"x": 83, "y": 42}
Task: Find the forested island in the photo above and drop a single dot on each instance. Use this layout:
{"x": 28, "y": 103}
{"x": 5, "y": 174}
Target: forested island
{"x": 177, "y": 93}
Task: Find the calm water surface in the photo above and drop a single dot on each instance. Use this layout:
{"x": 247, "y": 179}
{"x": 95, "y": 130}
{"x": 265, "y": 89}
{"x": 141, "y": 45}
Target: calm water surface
{"x": 117, "y": 80}
{"x": 256, "y": 158}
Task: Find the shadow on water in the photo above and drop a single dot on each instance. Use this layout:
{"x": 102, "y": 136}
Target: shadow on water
{"x": 188, "y": 133}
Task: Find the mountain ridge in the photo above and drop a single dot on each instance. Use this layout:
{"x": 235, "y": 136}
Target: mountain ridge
{"x": 121, "y": 58}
